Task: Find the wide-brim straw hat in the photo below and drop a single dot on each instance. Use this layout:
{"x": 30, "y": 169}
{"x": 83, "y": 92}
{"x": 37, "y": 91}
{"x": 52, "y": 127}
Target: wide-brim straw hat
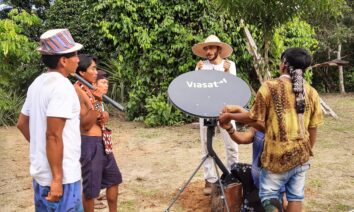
{"x": 212, "y": 40}
{"x": 57, "y": 42}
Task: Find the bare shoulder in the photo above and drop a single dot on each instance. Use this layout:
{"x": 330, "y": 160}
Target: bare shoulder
{"x": 80, "y": 93}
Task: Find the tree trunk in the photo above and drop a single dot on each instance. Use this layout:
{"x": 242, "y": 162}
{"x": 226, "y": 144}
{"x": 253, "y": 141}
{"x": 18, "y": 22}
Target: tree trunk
{"x": 328, "y": 86}
{"x": 340, "y": 70}
{"x": 267, "y": 74}
{"x": 122, "y": 92}
{"x": 258, "y": 62}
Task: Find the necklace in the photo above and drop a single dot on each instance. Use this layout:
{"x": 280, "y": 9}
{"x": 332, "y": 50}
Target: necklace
{"x": 87, "y": 91}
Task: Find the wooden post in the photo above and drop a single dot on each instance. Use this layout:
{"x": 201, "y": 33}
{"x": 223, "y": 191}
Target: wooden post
{"x": 340, "y": 71}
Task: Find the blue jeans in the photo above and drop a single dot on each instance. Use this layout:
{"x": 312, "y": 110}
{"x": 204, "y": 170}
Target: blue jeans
{"x": 70, "y": 201}
{"x": 293, "y": 180}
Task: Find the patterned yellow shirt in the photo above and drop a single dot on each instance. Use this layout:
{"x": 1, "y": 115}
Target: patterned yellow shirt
{"x": 284, "y": 148}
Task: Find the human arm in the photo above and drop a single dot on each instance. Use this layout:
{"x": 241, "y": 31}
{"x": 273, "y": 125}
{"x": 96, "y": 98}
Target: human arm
{"x": 242, "y": 117}
{"x": 54, "y": 150}
{"x": 103, "y": 118}
{"x": 243, "y": 137}
{"x": 316, "y": 118}
{"x": 233, "y": 109}
{"x": 23, "y": 126}
{"x": 239, "y": 137}
{"x": 227, "y": 65}
{"x": 200, "y": 65}
{"x": 313, "y": 136}
{"x": 88, "y": 116}
{"x": 230, "y": 67}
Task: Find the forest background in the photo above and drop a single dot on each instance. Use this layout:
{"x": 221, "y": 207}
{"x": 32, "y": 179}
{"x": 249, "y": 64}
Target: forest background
{"x": 145, "y": 44}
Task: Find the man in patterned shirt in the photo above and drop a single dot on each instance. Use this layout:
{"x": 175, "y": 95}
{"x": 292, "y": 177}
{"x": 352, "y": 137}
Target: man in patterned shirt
{"x": 288, "y": 110}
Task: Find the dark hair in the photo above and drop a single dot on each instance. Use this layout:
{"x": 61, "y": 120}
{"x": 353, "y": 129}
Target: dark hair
{"x": 85, "y": 62}
{"x": 101, "y": 75}
{"x": 51, "y": 61}
{"x": 296, "y": 60}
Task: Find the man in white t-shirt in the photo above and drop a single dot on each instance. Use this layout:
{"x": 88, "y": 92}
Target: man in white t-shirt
{"x": 215, "y": 52}
{"x": 49, "y": 120}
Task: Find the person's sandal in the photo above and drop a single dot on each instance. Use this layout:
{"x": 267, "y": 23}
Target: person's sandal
{"x": 102, "y": 197}
{"x": 99, "y": 205}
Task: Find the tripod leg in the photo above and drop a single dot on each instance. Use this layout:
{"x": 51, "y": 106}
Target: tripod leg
{"x": 222, "y": 188}
{"x": 180, "y": 190}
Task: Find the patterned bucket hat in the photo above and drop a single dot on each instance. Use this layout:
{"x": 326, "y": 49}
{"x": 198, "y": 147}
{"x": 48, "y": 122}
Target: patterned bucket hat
{"x": 57, "y": 41}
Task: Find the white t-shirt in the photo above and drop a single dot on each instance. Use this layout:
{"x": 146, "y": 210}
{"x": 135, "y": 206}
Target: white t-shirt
{"x": 52, "y": 95}
{"x": 219, "y": 67}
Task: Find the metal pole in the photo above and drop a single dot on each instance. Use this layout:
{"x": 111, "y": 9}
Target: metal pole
{"x": 185, "y": 185}
{"x": 105, "y": 97}
{"x": 223, "y": 197}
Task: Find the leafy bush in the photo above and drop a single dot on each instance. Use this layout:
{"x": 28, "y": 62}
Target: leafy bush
{"x": 118, "y": 88}
{"x": 82, "y": 21}
{"x": 160, "y": 112}
{"x": 153, "y": 40}
{"x": 10, "y": 107}
{"x": 18, "y": 56}
{"x": 295, "y": 33}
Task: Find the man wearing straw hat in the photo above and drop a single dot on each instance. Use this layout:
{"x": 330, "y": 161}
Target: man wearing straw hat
{"x": 49, "y": 120}
{"x": 215, "y": 52}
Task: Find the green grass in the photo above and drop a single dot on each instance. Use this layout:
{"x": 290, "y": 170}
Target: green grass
{"x": 127, "y": 205}
{"x": 315, "y": 183}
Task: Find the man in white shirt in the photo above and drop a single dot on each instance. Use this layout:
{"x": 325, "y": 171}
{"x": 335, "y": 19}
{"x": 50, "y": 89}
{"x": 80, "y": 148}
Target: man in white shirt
{"x": 215, "y": 52}
{"x": 49, "y": 120}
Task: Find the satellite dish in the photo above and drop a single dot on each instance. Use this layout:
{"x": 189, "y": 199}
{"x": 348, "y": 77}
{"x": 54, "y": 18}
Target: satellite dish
{"x": 204, "y": 93}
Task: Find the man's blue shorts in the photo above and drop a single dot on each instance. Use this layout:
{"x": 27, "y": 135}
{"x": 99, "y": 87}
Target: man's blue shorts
{"x": 293, "y": 180}
{"x": 70, "y": 201}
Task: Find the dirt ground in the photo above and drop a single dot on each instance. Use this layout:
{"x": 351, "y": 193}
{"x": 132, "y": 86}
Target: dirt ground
{"x": 155, "y": 162}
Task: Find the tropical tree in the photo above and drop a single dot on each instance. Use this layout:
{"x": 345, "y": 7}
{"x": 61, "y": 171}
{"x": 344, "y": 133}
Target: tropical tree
{"x": 18, "y": 55}
{"x": 336, "y": 36}
{"x": 83, "y": 23}
{"x": 152, "y": 40}
{"x": 272, "y": 14}
{"x": 295, "y": 33}
{"x": 39, "y": 6}
{"x": 18, "y": 63}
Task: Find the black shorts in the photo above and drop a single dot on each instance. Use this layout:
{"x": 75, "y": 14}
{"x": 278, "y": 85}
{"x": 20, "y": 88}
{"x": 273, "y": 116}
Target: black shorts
{"x": 99, "y": 170}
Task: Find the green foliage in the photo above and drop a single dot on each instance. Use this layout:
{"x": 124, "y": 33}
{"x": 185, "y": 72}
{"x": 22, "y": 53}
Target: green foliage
{"x": 269, "y": 15}
{"x": 82, "y": 21}
{"x": 118, "y": 88}
{"x": 295, "y": 33}
{"x": 161, "y": 112}
{"x": 153, "y": 41}
{"x": 137, "y": 97}
{"x": 18, "y": 55}
{"x": 10, "y": 107}
{"x": 30, "y": 5}
{"x": 272, "y": 14}
{"x": 333, "y": 26}
{"x": 332, "y": 30}
{"x": 349, "y": 79}
{"x": 308, "y": 76}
